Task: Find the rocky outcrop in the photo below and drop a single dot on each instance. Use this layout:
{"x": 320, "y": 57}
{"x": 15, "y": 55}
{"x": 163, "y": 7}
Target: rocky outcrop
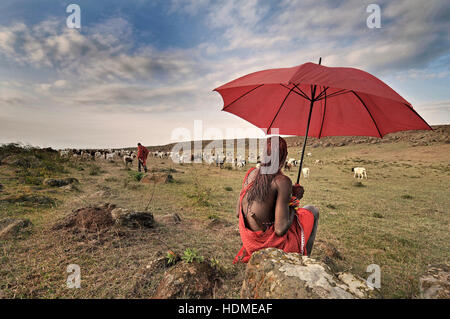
{"x": 188, "y": 280}
{"x": 11, "y": 226}
{"x": 272, "y": 273}
{"x": 129, "y": 218}
{"x": 435, "y": 283}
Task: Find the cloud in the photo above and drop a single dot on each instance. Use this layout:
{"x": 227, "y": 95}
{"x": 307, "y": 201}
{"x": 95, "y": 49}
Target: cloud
{"x": 106, "y": 69}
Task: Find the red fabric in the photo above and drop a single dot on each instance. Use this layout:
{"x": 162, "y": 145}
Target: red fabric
{"x": 256, "y": 240}
{"x": 368, "y": 108}
{"x": 142, "y": 154}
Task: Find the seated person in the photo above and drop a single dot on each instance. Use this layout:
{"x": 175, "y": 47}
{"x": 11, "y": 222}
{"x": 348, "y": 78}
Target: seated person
{"x": 269, "y": 216}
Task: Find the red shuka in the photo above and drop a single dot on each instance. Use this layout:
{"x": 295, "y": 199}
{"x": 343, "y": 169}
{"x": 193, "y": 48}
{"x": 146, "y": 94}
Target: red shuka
{"x": 142, "y": 154}
{"x": 256, "y": 240}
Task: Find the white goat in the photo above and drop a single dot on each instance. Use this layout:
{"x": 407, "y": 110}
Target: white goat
{"x": 359, "y": 172}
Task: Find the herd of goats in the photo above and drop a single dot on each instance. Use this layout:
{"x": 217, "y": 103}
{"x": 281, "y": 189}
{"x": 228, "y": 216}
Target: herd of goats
{"x": 128, "y": 156}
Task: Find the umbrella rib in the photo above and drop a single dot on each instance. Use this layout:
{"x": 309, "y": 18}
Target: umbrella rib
{"x": 323, "y": 115}
{"x": 367, "y": 109}
{"x": 337, "y": 93}
{"x": 322, "y": 93}
{"x": 279, "y": 109}
{"x": 242, "y": 96}
{"x": 302, "y": 94}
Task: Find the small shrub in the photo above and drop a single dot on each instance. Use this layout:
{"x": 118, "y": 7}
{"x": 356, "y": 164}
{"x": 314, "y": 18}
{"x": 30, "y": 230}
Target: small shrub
{"x": 171, "y": 258}
{"x": 213, "y": 216}
{"x": 191, "y": 255}
{"x": 228, "y": 188}
{"x": 377, "y": 215}
{"x": 94, "y": 170}
{"x": 406, "y": 196}
{"x": 331, "y": 206}
{"x": 136, "y": 176}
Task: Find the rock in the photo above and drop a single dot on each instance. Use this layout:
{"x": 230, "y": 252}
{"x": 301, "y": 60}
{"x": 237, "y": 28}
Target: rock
{"x": 128, "y": 218}
{"x": 272, "y": 273}
{"x": 188, "y": 280}
{"x": 435, "y": 283}
{"x": 29, "y": 200}
{"x": 11, "y": 226}
{"x": 60, "y": 182}
{"x": 218, "y": 222}
{"x": 101, "y": 194}
{"x": 70, "y": 187}
{"x": 29, "y": 161}
{"x": 157, "y": 178}
{"x": 169, "y": 219}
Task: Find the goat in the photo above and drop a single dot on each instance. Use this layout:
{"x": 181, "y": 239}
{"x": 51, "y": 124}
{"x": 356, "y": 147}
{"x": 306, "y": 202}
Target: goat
{"x": 359, "y": 172}
{"x": 305, "y": 172}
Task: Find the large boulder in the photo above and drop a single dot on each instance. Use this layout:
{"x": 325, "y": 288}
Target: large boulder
{"x": 435, "y": 283}
{"x": 188, "y": 280}
{"x": 272, "y": 273}
{"x": 129, "y": 218}
{"x": 11, "y": 226}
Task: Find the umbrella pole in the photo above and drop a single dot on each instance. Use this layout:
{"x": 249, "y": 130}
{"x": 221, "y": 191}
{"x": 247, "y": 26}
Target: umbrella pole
{"x": 313, "y": 93}
{"x": 304, "y": 142}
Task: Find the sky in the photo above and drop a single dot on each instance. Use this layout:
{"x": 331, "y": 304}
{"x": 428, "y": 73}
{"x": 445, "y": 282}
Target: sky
{"x": 141, "y": 70}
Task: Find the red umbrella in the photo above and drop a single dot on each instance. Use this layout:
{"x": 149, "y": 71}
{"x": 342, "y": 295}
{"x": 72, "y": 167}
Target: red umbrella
{"x": 315, "y": 100}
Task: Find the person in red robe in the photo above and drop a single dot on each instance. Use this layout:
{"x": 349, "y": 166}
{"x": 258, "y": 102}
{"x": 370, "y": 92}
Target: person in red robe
{"x": 269, "y": 212}
{"x": 142, "y": 157}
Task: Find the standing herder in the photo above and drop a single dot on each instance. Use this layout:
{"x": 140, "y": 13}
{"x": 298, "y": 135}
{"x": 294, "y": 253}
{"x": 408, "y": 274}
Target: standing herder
{"x": 142, "y": 157}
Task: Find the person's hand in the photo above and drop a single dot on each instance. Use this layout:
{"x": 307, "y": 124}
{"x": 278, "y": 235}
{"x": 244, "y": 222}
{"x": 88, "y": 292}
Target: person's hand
{"x": 297, "y": 191}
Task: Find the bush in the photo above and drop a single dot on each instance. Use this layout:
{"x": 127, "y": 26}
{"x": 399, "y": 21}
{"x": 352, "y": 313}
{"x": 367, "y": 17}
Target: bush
{"x": 191, "y": 255}
{"x": 228, "y": 188}
{"x": 136, "y": 176}
{"x": 406, "y": 196}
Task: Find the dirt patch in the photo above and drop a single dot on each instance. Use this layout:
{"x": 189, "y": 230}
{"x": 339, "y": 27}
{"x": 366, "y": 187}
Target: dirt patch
{"x": 90, "y": 219}
{"x": 188, "y": 280}
{"x": 157, "y": 178}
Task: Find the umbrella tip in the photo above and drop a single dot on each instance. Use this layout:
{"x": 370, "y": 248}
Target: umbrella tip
{"x": 320, "y": 60}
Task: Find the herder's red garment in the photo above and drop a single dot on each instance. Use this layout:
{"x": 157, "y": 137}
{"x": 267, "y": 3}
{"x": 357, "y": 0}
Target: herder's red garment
{"x": 142, "y": 154}
{"x": 256, "y": 240}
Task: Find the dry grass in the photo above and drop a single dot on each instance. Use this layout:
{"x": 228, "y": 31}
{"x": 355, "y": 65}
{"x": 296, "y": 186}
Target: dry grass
{"x": 398, "y": 220}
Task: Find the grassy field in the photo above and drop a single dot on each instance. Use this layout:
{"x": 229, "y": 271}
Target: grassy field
{"x": 398, "y": 219}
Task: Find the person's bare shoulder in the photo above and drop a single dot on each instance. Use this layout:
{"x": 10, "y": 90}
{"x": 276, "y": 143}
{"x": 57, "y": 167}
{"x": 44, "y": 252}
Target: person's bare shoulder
{"x": 283, "y": 183}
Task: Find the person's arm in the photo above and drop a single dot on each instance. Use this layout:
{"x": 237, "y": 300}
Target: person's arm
{"x": 238, "y": 206}
{"x": 284, "y": 215}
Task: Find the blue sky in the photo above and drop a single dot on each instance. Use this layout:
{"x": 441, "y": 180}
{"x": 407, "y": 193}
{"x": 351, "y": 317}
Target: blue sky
{"x": 137, "y": 70}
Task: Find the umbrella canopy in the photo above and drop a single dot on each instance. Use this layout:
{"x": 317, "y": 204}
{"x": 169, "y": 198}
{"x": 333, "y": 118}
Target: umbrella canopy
{"x": 315, "y": 100}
